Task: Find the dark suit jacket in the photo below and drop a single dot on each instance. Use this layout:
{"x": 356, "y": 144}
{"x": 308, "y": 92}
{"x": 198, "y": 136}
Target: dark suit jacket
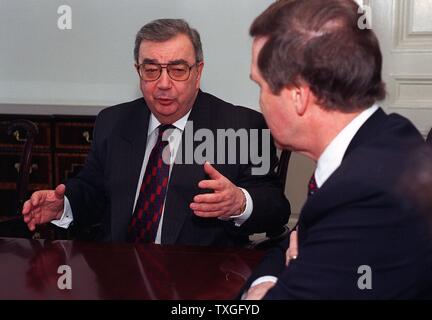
{"x": 105, "y": 189}
{"x": 359, "y": 218}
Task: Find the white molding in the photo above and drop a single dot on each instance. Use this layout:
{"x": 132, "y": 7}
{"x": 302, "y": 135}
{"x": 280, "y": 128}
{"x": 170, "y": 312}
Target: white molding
{"x": 48, "y": 109}
{"x": 399, "y": 102}
{"x": 415, "y": 107}
{"x": 405, "y": 39}
{"x": 412, "y": 105}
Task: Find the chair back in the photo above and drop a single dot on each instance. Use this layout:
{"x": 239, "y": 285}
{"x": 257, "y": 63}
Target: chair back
{"x": 31, "y": 130}
{"x": 282, "y": 168}
{"x": 279, "y": 232}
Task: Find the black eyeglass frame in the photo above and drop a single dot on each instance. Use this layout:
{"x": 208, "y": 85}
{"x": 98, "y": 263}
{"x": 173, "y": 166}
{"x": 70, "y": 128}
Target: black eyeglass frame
{"x": 166, "y": 66}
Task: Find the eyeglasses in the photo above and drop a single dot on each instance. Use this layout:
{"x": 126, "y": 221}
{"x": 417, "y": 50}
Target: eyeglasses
{"x": 153, "y": 71}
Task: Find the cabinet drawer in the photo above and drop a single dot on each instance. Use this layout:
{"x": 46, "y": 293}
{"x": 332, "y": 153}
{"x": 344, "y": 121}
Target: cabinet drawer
{"x": 68, "y": 165}
{"x": 73, "y": 135}
{"x": 18, "y": 137}
{"x": 41, "y": 170}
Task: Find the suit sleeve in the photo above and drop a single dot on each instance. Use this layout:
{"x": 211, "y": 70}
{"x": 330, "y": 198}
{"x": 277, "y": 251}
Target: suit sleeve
{"x": 333, "y": 251}
{"x": 273, "y": 264}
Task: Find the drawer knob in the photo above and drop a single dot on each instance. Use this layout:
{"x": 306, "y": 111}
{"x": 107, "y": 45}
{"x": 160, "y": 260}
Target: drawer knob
{"x": 86, "y": 136}
{"x": 34, "y": 167}
{"x": 16, "y": 134}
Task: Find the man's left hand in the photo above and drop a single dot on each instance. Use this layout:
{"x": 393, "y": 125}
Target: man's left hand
{"x": 227, "y": 199}
{"x": 259, "y": 291}
{"x": 292, "y": 252}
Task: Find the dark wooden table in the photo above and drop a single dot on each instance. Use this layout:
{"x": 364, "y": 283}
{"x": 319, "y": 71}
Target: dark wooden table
{"x": 29, "y": 269}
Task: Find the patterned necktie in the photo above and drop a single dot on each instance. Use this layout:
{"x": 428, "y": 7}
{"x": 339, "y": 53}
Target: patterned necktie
{"x": 312, "y": 186}
{"x": 148, "y": 210}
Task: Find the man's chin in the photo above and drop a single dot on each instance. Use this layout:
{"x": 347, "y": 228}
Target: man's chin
{"x": 166, "y": 115}
{"x": 166, "y": 110}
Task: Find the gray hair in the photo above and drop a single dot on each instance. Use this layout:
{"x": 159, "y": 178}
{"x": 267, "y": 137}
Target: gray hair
{"x": 165, "y": 29}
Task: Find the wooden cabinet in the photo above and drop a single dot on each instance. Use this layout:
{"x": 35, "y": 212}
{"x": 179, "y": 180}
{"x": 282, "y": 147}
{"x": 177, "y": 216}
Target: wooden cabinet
{"x": 59, "y": 152}
{"x": 72, "y": 136}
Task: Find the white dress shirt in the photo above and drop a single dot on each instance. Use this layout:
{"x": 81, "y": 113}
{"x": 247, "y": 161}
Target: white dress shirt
{"x": 174, "y": 141}
{"x": 331, "y": 159}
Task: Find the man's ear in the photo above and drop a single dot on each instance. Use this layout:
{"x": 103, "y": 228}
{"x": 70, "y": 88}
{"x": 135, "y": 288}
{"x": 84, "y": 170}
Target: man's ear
{"x": 199, "y": 67}
{"x": 301, "y": 97}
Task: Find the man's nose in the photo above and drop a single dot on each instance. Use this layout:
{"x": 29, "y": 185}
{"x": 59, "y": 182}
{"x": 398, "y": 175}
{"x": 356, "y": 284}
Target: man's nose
{"x": 164, "y": 81}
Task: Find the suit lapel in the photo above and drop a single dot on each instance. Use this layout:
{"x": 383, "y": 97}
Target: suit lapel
{"x": 129, "y": 143}
{"x": 183, "y": 184}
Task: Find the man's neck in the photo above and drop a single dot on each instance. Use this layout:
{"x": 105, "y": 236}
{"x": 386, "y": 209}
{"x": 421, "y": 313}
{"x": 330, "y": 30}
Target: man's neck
{"x": 328, "y": 125}
{"x": 332, "y": 156}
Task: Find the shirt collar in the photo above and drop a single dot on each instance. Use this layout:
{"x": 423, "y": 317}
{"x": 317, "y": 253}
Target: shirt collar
{"x": 333, "y": 154}
{"x": 179, "y": 124}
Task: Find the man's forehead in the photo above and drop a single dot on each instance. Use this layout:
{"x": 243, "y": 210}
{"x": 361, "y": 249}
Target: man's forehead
{"x": 258, "y": 43}
{"x": 179, "y": 46}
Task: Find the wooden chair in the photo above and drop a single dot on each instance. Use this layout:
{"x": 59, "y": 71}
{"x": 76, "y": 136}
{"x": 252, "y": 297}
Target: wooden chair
{"x": 282, "y": 168}
{"x": 11, "y": 224}
{"x": 280, "y": 232}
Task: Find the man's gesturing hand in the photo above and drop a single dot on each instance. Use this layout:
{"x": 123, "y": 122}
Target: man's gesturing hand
{"x": 44, "y": 206}
{"x": 226, "y": 200}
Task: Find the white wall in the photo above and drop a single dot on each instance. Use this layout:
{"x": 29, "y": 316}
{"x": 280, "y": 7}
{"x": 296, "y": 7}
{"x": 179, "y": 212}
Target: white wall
{"x": 47, "y": 70}
{"x": 404, "y": 29}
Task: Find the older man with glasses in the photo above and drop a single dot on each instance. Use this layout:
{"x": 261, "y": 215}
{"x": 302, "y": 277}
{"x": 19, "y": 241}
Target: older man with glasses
{"x": 137, "y": 196}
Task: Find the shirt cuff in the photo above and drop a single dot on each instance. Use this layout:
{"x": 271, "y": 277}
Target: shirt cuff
{"x": 67, "y": 216}
{"x": 263, "y": 279}
{"x": 257, "y": 282}
{"x": 242, "y": 217}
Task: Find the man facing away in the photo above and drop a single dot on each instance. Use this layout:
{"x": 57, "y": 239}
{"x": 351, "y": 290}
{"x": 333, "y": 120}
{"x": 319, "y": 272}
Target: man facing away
{"x": 132, "y": 182}
{"x": 358, "y": 236}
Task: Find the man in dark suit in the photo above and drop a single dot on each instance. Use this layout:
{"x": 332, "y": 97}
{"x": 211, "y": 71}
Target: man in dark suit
{"x": 124, "y": 183}
{"x": 358, "y": 235}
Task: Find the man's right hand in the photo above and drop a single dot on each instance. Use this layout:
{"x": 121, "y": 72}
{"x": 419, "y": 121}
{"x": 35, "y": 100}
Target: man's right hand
{"x": 44, "y": 206}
